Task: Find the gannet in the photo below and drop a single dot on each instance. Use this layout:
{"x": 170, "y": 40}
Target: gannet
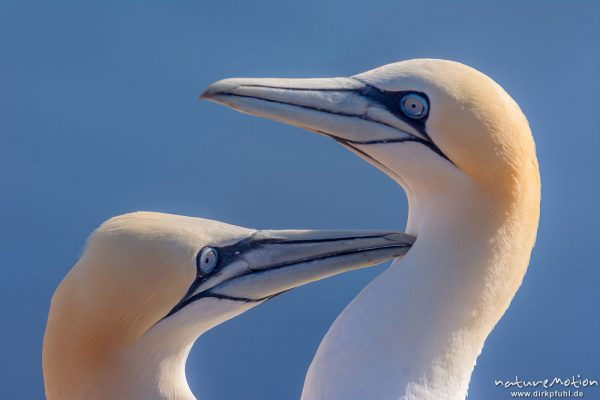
{"x": 123, "y": 320}
{"x": 462, "y": 150}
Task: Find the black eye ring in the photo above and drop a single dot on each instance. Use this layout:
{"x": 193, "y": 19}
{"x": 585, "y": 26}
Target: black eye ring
{"x": 207, "y": 260}
{"x": 414, "y": 106}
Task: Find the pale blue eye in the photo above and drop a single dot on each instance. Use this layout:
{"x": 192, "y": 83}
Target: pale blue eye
{"x": 207, "y": 260}
{"x": 414, "y": 106}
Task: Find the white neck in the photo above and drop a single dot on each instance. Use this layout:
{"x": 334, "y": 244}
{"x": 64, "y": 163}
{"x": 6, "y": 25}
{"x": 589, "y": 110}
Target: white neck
{"x": 142, "y": 373}
{"x": 416, "y": 330}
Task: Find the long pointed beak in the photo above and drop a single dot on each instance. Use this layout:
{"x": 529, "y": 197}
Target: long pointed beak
{"x": 352, "y": 112}
{"x": 343, "y": 108}
{"x": 271, "y": 262}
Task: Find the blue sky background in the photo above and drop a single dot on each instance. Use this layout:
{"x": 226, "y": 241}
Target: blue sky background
{"x": 99, "y": 116}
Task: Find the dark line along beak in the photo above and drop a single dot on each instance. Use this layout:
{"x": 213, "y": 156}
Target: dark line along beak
{"x": 271, "y": 262}
{"x": 345, "y": 109}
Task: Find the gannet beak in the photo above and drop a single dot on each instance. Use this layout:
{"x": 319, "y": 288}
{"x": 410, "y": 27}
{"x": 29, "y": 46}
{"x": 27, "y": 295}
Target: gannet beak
{"x": 271, "y": 262}
{"x": 349, "y": 110}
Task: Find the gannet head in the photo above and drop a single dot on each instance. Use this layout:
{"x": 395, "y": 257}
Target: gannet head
{"x": 430, "y": 124}
{"x": 149, "y": 284}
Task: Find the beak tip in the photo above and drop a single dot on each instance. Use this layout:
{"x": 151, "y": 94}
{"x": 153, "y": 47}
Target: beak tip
{"x": 224, "y": 86}
{"x": 400, "y": 237}
{"x": 208, "y": 94}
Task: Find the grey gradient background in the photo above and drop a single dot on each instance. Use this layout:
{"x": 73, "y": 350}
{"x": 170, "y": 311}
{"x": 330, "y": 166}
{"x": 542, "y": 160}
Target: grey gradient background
{"x": 99, "y": 116}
